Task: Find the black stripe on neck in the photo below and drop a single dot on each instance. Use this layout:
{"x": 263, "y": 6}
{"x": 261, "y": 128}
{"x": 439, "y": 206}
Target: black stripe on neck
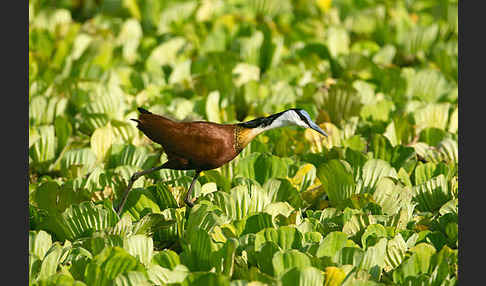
{"x": 261, "y": 121}
{"x": 302, "y": 117}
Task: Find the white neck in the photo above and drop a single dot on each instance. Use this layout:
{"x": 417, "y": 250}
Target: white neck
{"x": 286, "y": 119}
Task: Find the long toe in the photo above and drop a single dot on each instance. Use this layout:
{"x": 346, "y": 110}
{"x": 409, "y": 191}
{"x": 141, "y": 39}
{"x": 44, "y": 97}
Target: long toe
{"x": 189, "y": 203}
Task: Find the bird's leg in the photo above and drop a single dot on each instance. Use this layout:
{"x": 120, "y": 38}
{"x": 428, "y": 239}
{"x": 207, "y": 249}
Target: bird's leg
{"x": 190, "y": 202}
{"x": 133, "y": 179}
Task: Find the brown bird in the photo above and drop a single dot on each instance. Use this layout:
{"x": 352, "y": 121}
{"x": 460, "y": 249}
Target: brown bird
{"x": 201, "y": 145}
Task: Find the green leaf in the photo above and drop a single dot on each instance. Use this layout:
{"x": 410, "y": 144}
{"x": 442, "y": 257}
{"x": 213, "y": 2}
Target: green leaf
{"x": 286, "y": 237}
{"x": 454, "y": 121}
{"x": 428, "y": 153}
{"x": 43, "y": 151}
{"x": 228, "y": 253}
{"x": 395, "y": 252}
{"x": 129, "y": 36}
{"x": 337, "y": 179}
{"x": 281, "y": 190}
{"x": 269, "y": 166}
{"x": 418, "y": 263}
{"x": 210, "y": 279}
{"x": 268, "y": 249}
{"x": 432, "y": 136}
{"x": 173, "y": 233}
{"x": 245, "y": 73}
{"x": 141, "y": 247}
{"x": 50, "y": 261}
{"x": 433, "y": 115}
{"x": 372, "y": 234}
{"x": 380, "y": 111}
{"x": 432, "y": 194}
{"x": 107, "y": 100}
{"x": 215, "y": 40}
{"x": 427, "y": 85}
{"x": 78, "y": 162}
{"x": 403, "y": 157}
{"x": 449, "y": 207}
{"x": 59, "y": 279}
{"x": 92, "y": 121}
{"x": 341, "y": 102}
{"x": 101, "y": 141}
{"x": 250, "y": 48}
{"x": 123, "y": 132}
{"x": 332, "y": 244}
{"x": 279, "y": 209}
{"x": 351, "y": 255}
{"x": 399, "y": 131}
{"x": 257, "y": 222}
{"x": 39, "y": 243}
{"x": 286, "y": 259}
{"x": 373, "y": 171}
{"x": 166, "y": 258}
{"x": 357, "y": 223}
{"x": 333, "y": 276}
{"x": 37, "y": 110}
{"x": 305, "y": 276}
{"x": 132, "y": 156}
{"x": 81, "y": 220}
{"x": 197, "y": 250}
{"x": 165, "y": 197}
{"x": 140, "y": 202}
{"x": 390, "y": 196}
{"x": 34, "y": 266}
{"x": 43, "y": 109}
{"x": 123, "y": 227}
{"x": 104, "y": 268}
{"x": 132, "y": 278}
{"x": 385, "y": 55}
{"x": 46, "y": 196}
{"x": 449, "y": 149}
{"x": 381, "y": 147}
{"x": 220, "y": 180}
{"x": 165, "y": 53}
{"x": 424, "y": 172}
{"x": 204, "y": 216}
{"x": 160, "y": 276}
{"x": 212, "y": 107}
{"x": 245, "y": 166}
{"x": 243, "y": 201}
{"x": 337, "y": 41}
{"x": 380, "y": 77}
{"x": 374, "y": 258}
{"x": 63, "y": 131}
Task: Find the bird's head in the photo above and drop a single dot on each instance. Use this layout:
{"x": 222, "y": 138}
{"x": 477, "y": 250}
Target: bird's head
{"x": 301, "y": 118}
{"x": 294, "y": 116}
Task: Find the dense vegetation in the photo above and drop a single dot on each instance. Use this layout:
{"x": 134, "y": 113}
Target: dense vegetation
{"x": 375, "y": 203}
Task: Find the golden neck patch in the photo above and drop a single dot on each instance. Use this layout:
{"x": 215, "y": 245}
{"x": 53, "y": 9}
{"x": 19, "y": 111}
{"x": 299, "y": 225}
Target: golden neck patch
{"x": 243, "y": 136}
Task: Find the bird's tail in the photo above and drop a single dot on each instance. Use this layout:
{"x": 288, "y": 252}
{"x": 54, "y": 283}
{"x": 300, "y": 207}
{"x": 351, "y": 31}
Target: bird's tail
{"x": 143, "y": 111}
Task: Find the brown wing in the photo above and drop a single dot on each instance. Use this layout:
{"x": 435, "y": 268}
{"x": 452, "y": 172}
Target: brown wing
{"x": 201, "y": 145}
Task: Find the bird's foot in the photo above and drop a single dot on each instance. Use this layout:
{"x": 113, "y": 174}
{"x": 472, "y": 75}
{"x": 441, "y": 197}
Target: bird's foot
{"x": 135, "y": 177}
{"x": 189, "y": 203}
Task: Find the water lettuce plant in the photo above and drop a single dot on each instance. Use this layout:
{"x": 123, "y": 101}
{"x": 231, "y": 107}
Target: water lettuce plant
{"x": 375, "y": 203}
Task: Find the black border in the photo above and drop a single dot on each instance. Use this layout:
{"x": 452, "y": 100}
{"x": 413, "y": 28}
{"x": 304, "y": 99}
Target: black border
{"x": 16, "y": 106}
{"x": 15, "y": 141}
{"x": 470, "y": 84}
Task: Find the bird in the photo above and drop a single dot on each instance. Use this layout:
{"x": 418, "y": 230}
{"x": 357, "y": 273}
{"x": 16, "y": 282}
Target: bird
{"x": 203, "y": 145}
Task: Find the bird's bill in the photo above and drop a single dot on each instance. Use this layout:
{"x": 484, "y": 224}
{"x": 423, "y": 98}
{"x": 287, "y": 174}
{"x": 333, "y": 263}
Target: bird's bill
{"x": 317, "y": 128}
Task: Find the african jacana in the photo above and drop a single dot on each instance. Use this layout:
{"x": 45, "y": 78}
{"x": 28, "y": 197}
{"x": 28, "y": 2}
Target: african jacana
{"x": 203, "y": 145}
